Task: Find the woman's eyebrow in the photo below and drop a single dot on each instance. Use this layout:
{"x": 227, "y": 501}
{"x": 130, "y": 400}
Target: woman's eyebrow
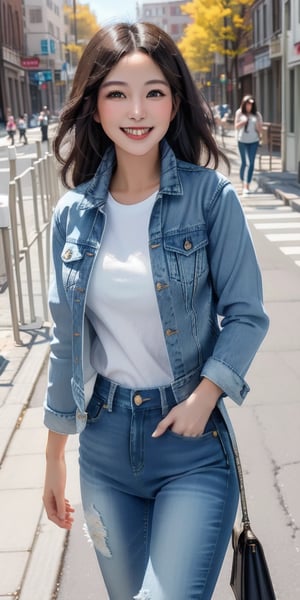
{"x": 123, "y": 83}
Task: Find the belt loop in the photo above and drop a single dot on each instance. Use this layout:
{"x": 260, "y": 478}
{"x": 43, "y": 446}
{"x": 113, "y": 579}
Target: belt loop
{"x": 111, "y": 394}
{"x": 164, "y": 402}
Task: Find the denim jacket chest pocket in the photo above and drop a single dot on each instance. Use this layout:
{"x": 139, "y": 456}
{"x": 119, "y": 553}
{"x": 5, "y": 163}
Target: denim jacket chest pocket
{"x": 72, "y": 257}
{"x": 186, "y": 253}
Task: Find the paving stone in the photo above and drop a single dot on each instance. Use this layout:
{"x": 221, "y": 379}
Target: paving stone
{"x": 22, "y": 471}
{"x": 19, "y": 516}
{"x": 12, "y": 565}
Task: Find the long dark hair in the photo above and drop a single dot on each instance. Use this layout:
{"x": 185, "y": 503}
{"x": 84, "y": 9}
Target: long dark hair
{"x": 81, "y": 142}
{"x": 244, "y": 101}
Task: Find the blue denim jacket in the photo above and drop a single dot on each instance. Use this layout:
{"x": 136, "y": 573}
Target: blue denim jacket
{"x": 205, "y": 273}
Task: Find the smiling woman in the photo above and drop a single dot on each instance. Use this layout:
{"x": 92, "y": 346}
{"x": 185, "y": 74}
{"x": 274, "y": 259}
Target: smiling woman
{"x": 149, "y": 248}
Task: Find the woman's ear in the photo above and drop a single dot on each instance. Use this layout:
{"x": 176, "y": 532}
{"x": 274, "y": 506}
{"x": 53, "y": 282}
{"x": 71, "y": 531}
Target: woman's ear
{"x": 176, "y": 104}
{"x": 96, "y": 116}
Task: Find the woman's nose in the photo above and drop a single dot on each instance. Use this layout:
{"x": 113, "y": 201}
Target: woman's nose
{"x": 137, "y": 110}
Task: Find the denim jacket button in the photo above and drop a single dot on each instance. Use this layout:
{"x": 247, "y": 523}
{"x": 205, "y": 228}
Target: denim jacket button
{"x": 170, "y": 332}
{"x": 187, "y": 245}
{"x": 68, "y": 254}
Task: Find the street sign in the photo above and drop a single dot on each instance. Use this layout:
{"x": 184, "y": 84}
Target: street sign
{"x": 30, "y": 62}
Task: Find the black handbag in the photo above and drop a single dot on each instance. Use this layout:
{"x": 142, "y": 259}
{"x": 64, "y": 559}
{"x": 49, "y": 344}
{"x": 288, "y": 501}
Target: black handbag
{"x": 250, "y": 577}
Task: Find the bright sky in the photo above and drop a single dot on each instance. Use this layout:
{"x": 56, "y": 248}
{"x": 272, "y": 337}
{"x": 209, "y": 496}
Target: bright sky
{"x": 113, "y": 10}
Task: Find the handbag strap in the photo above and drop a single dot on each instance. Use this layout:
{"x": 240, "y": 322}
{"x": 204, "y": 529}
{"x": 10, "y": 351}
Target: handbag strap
{"x": 245, "y": 516}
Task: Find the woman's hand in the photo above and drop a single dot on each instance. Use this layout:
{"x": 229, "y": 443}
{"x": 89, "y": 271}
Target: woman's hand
{"x": 190, "y": 417}
{"x": 58, "y": 508}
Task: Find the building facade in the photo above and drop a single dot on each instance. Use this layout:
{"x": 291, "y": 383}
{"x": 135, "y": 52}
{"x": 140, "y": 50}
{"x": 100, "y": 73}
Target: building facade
{"x": 167, "y": 15}
{"x": 45, "y": 56}
{"x": 291, "y": 85}
{"x": 14, "y": 96}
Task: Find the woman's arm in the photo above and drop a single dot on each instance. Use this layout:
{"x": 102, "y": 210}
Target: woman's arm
{"x": 57, "y": 507}
{"x": 240, "y": 119}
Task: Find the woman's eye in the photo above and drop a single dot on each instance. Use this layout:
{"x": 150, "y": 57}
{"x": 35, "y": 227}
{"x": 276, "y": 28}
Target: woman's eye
{"x": 115, "y": 94}
{"x": 155, "y": 94}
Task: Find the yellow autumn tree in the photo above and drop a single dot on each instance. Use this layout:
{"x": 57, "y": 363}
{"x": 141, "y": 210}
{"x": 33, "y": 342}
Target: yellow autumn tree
{"x": 83, "y": 24}
{"x": 221, "y": 26}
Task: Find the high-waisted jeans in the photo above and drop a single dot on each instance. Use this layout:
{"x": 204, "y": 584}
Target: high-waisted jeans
{"x": 159, "y": 511}
{"x": 247, "y": 151}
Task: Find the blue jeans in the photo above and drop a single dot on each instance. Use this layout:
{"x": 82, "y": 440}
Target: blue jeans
{"x": 247, "y": 151}
{"x": 159, "y": 511}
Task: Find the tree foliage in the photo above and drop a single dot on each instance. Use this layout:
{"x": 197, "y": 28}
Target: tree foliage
{"x": 221, "y": 26}
{"x": 83, "y": 25}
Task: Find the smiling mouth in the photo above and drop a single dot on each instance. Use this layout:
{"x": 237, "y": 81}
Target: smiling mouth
{"x": 137, "y": 132}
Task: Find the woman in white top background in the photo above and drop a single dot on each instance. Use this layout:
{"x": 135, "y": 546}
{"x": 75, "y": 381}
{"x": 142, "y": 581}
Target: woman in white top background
{"x": 248, "y": 123}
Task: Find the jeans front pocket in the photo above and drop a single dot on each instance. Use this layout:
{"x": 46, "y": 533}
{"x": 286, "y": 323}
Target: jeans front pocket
{"x": 95, "y": 408}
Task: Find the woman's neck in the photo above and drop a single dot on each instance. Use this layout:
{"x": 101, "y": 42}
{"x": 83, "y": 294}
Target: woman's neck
{"x": 136, "y": 177}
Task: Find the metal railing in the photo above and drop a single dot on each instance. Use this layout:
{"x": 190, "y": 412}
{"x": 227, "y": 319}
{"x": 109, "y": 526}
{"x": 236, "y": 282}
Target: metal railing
{"x": 270, "y": 144}
{"x": 25, "y": 230}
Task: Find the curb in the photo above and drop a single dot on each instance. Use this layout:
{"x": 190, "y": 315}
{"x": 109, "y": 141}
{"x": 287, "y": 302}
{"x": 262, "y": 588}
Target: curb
{"x": 288, "y": 195}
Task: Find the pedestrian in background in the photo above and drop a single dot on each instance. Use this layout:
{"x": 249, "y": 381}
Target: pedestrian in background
{"x": 248, "y": 124}
{"x": 148, "y": 249}
{"x": 11, "y": 128}
{"x": 43, "y": 123}
{"x": 22, "y": 126}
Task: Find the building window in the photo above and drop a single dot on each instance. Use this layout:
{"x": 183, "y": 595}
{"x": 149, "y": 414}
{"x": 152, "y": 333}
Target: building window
{"x": 175, "y": 11}
{"x": 265, "y": 19}
{"x": 44, "y": 47}
{"x": 35, "y": 15}
{"x": 276, "y": 15}
{"x": 174, "y": 29}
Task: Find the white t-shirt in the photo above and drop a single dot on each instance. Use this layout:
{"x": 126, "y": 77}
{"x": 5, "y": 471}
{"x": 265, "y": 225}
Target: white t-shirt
{"x": 249, "y": 135}
{"x": 130, "y": 346}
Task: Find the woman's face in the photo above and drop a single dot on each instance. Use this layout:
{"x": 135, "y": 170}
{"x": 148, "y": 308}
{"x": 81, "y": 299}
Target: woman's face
{"x": 248, "y": 106}
{"x": 135, "y": 104}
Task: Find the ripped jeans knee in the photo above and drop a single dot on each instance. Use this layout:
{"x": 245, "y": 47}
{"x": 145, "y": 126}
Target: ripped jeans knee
{"x": 96, "y": 531}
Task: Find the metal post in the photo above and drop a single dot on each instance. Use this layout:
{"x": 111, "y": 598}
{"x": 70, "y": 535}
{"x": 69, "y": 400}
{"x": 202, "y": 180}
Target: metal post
{"x": 4, "y": 227}
{"x": 12, "y": 158}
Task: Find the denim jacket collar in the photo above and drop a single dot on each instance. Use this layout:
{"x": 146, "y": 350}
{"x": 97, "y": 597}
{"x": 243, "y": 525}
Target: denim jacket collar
{"x": 95, "y": 191}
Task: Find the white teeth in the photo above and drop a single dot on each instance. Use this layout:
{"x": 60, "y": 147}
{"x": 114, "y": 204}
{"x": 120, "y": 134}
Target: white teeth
{"x": 136, "y": 131}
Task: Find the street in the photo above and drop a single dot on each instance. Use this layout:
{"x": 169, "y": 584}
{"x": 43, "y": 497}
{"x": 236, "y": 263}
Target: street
{"x": 267, "y": 428}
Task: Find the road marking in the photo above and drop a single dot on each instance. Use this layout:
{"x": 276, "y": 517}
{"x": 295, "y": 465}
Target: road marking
{"x": 287, "y": 214}
{"x": 283, "y": 237}
{"x": 289, "y": 250}
{"x": 280, "y": 218}
{"x": 286, "y": 225}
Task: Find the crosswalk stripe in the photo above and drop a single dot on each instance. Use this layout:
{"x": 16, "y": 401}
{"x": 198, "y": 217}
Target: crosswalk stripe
{"x": 288, "y": 250}
{"x": 283, "y": 237}
{"x": 286, "y": 225}
{"x": 276, "y": 216}
{"x": 280, "y": 218}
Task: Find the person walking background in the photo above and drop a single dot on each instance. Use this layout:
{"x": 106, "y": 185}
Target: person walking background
{"x": 149, "y": 248}
{"x": 44, "y": 123}
{"x": 22, "y": 127}
{"x": 248, "y": 124}
{"x": 11, "y": 128}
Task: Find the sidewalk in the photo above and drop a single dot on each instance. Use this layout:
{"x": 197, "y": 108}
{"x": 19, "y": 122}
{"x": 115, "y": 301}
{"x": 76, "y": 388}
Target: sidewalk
{"x": 31, "y": 548}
